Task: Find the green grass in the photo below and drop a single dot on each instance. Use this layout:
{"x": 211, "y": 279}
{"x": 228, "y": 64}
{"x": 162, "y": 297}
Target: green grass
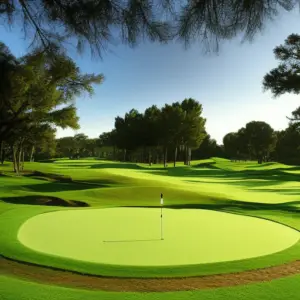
{"x": 132, "y": 237}
{"x": 268, "y": 191}
{"x": 286, "y": 288}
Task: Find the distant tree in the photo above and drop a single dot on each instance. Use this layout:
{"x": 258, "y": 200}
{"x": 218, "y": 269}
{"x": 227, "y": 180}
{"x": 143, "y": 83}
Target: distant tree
{"x": 230, "y": 142}
{"x": 80, "y": 144}
{"x": 242, "y": 145}
{"x": 208, "y": 148}
{"x": 288, "y": 145}
{"x": 152, "y": 135}
{"x": 193, "y": 127}
{"x": 91, "y": 147}
{"x": 108, "y": 140}
{"x": 261, "y": 139}
{"x": 66, "y": 147}
{"x": 172, "y": 117}
{"x": 98, "y": 22}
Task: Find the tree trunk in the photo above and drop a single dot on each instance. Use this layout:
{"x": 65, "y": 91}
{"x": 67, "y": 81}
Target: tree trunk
{"x": 124, "y": 158}
{"x": 165, "y": 156}
{"x": 175, "y": 156}
{"x": 150, "y": 157}
{"x": 15, "y": 159}
{"x": 32, "y": 153}
{"x": 189, "y": 156}
{"x": 2, "y": 152}
{"x": 23, "y": 159}
{"x": 19, "y": 159}
{"x": 157, "y": 156}
{"x": 186, "y": 161}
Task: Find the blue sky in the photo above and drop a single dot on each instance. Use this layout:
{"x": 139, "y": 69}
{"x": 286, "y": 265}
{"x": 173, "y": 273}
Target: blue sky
{"x": 229, "y": 85}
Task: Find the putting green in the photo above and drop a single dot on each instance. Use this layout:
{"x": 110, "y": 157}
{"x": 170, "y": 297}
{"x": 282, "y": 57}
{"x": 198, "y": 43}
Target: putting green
{"x": 131, "y": 236}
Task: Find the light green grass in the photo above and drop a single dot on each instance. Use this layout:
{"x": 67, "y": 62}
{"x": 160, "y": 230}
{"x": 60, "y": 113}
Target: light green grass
{"x": 269, "y": 191}
{"x": 132, "y": 236}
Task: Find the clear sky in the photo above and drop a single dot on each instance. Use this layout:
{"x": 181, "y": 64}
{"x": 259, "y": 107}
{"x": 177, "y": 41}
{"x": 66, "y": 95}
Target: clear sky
{"x": 229, "y": 85}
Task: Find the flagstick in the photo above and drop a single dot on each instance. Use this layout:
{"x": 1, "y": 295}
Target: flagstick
{"x": 161, "y": 226}
{"x": 161, "y": 216}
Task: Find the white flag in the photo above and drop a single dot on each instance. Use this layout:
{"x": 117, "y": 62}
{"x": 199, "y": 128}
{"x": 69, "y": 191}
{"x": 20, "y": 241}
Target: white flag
{"x": 161, "y": 201}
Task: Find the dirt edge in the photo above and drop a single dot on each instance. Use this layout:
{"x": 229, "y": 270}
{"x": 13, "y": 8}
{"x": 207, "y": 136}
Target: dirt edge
{"x": 45, "y": 275}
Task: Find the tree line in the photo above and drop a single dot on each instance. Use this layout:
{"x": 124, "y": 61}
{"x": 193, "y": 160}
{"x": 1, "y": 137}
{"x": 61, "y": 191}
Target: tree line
{"x": 37, "y": 92}
{"x": 176, "y": 132}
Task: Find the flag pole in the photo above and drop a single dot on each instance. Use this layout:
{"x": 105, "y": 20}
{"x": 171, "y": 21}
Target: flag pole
{"x": 161, "y": 216}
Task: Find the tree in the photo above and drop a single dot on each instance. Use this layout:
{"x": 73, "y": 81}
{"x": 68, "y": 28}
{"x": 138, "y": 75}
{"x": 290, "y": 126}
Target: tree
{"x": 261, "y": 139}
{"x": 80, "y": 144}
{"x": 288, "y": 145}
{"x": 193, "y": 127}
{"x": 38, "y": 86}
{"x": 66, "y": 147}
{"x": 230, "y": 142}
{"x": 40, "y": 91}
{"x": 152, "y": 131}
{"x": 108, "y": 140}
{"x": 207, "y": 149}
{"x": 286, "y": 77}
{"x": 171, "y": 121}
{"x": 98, "y": 22}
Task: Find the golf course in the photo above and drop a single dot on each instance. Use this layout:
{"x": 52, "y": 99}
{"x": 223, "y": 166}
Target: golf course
{"x": 95, "y": 229}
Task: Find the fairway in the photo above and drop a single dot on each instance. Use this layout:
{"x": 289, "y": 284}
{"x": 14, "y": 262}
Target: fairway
{"x": 131, "y": 236}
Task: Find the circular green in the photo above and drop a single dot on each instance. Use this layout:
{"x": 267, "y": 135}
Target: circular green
{"x": 132, "y": 236}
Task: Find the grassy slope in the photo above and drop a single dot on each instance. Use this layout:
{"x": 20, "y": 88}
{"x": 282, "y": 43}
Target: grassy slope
{"x": 268, "y": 191}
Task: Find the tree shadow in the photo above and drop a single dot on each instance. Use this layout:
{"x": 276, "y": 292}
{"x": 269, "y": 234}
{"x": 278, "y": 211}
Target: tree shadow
{"x": 283, "y": 191}
{"x": 43, "y": 200}
{"x": 129, "y": 166}
{"x": 246, "y": 178}
{"x": 261, "y": 165}
{"x": 234, "y": 205}
{"x": 48, "y": 176}
{"x": 51, "y": 187}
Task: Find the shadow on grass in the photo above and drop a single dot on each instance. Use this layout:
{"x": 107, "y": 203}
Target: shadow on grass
{"x": 290, "y": 191}
{"x": 130, "y": 166}
{"x": 234, "y": 205}
{"x": 52, "y": 187}
{"x": 47, "y": 176}
{"x": 43, "y": 200}
{"x": 247, "y": 178}
{"x": 61, "y": 183}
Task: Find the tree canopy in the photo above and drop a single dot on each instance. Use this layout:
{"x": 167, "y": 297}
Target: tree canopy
{"x": 99, "y": 22}
{"x": 286, "y": 77}
{"x": 38, "y": 92}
